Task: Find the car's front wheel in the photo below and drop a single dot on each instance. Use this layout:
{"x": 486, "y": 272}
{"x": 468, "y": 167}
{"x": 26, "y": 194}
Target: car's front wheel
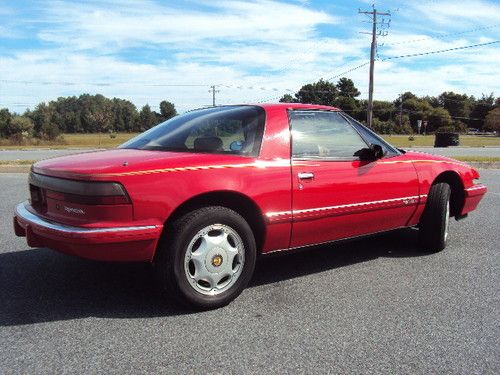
{"x": 207, "y": 258}
{"x": 435, "y": 221}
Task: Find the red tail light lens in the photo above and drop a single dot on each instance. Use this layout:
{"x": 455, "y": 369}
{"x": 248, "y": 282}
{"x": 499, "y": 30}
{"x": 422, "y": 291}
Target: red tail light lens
{"x": 82, "y": 192}
{"x": 88, "y": 199}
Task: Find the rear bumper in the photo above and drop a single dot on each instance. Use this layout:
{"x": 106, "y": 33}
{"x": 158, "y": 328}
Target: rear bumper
{"x": 118, "y": 243}
{"x": 473, "y": 196}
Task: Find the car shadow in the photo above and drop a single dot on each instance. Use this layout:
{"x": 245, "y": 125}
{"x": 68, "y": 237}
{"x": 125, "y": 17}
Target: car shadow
{"x": 40, "y": 285}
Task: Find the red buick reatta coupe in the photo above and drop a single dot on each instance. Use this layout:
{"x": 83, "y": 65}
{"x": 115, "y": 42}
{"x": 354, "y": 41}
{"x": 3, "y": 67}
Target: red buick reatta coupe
{"x": 202, "y": 194}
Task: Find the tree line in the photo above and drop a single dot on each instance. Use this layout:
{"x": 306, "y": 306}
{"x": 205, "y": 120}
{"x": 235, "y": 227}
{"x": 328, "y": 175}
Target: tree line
{"x": 449, "y": 111}
{"x": 83, "y": 114}
{"x": 96, "y": 113}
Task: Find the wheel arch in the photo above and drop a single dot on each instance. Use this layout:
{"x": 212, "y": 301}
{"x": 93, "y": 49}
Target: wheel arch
{"x": 457, "y": 198}
{"x": 235, "y": 201}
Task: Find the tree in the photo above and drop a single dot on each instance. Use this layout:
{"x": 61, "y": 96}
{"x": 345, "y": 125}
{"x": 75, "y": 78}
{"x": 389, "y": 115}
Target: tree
{"x": 480, "y": 110}
{"x": 98, "y": 114}
{"x": 404, "y": 97}
{"x": 5, "y": 119}
{"x": 321, "y": 92}
{"x": 457, "y": 105}
{"x": 147, "y": 118}
{"x": 347, "y": 103}
{"x": 40, "y": 117}
{"x": 345, "y": 87}
{"x": 167, "y": 110}
{"x": 21, "y": 125}
{"x": 438, "y": 118}
{"x": 287, "y": 98}
{"x": 125, "y": 115}
{"x": 492, "y": 122}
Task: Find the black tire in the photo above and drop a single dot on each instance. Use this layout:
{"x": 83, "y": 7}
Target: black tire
{"x": 171, "y": 253}
{"x": 433, "y": 226}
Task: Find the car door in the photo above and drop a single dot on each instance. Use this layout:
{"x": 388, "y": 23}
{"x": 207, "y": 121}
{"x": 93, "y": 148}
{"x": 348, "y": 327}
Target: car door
{"x": 335, "y": 194}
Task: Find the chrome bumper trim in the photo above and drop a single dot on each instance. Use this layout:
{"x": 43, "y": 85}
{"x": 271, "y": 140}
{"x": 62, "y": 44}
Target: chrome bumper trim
{"x": 24, "y": 214}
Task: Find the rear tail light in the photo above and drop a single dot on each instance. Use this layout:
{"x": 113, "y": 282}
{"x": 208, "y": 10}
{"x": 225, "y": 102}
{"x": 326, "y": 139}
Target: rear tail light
{"x": 82, "y": 192}
{"x": 88, "y": 199}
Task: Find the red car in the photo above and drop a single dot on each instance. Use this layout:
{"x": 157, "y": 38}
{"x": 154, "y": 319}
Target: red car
{"x": 202, "y": 194}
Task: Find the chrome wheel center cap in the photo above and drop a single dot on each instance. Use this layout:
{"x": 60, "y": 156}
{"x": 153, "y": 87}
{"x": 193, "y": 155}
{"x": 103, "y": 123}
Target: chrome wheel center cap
{"x": 217, "y": 260}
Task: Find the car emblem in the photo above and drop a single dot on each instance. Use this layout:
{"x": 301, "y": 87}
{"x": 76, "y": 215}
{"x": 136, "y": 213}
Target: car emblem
{"x": 217, "y": 260}
{"x": 72, "y": 210}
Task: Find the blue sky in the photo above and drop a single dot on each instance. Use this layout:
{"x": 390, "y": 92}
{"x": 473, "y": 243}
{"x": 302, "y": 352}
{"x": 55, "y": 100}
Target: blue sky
{"x": 147, "y": 51}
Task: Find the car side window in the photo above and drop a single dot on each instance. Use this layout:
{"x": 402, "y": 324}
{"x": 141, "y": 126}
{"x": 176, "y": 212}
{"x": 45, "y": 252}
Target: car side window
{"x": 372, "y": 138}
{"x": 323, "y": 134}
{"x": 225, "y": 132}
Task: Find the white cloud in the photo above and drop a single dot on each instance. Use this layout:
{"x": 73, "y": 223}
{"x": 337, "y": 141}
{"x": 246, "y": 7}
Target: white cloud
{"x": 101, "y": 26}
{"x": 456, "y": 14}
{"x": 256, "y": 49}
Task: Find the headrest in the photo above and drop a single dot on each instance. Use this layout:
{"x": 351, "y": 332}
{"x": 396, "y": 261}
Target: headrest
{"x": 208, "y": 144}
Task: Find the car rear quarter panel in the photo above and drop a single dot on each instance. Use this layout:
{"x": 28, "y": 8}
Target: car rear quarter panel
{"x": 266, "y": 180}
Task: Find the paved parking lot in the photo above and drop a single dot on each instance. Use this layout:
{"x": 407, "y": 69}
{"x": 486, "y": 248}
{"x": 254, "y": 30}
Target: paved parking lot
{"x": 371, "y": 306}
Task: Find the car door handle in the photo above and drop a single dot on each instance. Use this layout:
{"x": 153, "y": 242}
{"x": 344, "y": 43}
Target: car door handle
{"x": 305, "y": 176}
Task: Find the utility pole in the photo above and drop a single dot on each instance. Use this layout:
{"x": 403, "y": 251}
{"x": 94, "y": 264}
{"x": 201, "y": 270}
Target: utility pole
{"x": 213, "y": 91}
{"x": 374, "y": 14}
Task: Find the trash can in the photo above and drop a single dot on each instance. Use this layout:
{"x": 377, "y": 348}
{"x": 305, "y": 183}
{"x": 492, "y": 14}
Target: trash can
{"x": 446, "y": 139}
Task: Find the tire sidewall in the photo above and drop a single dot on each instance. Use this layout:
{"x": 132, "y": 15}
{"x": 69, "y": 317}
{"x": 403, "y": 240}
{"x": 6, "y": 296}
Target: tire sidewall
{"x": 433, "y": 224}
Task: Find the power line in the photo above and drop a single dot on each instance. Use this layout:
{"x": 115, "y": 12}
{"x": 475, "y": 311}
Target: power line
{"x": 439, "y": 51}
{"x": 442, "y": 36}
{"x": 68, "y": 83}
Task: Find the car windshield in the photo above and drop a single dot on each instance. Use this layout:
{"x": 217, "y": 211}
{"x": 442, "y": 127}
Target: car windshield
{"x": 222, "y": 130}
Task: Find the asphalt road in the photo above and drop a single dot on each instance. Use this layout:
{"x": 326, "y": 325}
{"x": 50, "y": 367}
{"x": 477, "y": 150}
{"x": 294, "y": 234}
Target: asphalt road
{"x": 447, "y": 151}
{"x": 37, "y": 154}
{"x": 373, "y": 306}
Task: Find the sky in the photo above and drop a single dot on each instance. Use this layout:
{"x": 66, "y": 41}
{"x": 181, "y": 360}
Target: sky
{"x": 254, "y": 51}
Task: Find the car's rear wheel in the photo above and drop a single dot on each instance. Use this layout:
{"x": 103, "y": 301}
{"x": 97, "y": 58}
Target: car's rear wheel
{"x": 435, "y": 221}
{"x": 207, "y": 258}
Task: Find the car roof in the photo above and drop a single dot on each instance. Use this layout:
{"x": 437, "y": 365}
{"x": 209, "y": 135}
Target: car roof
{"x": 296, "y": 106}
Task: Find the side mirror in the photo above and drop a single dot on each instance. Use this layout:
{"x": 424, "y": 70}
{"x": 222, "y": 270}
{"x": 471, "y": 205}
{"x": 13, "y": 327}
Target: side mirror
{"x": 373, "y": 152}
{"x": 377, "y": 150}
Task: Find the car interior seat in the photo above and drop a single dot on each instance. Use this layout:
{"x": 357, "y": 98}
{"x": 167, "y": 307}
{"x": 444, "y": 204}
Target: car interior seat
{"x": 208, "y": 144}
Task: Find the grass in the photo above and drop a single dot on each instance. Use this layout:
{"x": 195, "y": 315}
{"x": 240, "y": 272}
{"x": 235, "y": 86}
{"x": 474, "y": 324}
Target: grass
{"x": 97, "y": 140}
{"x": 17, "y": 162}
{"x": 428, "y": 140}
{"x": 478, "y": 159}
{"x": 105, "y": 141}
{"x": 77, "y": 141}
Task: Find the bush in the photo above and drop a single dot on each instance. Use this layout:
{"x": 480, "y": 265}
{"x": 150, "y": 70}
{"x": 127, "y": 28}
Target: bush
{"x": 19, "y": 125}
{"x": 390, "y": 127}
{"x": 50, "y": 131}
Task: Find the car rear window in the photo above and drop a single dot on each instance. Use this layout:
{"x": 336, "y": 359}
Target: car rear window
{"x": 221, "y": 130}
